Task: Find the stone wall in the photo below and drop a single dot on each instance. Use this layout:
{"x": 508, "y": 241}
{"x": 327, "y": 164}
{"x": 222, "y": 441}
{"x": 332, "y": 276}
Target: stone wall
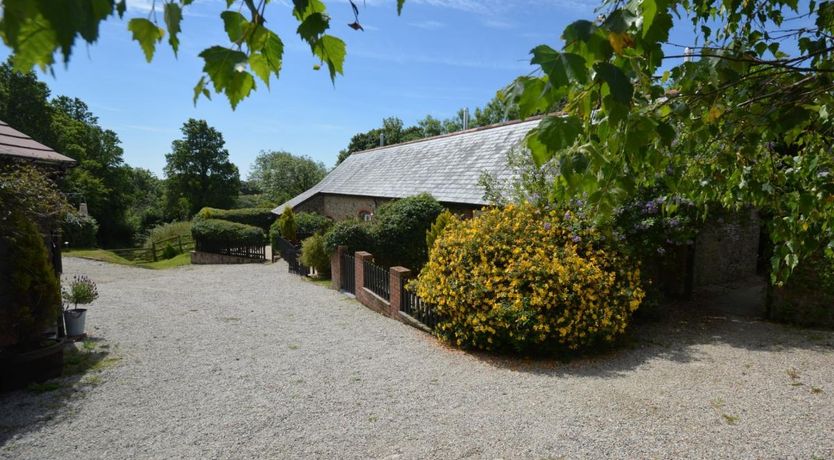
{"x": 727, "y": 249}
{"x": 807, "y": 299}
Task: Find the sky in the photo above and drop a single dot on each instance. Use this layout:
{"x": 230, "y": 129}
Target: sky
{"x": 437, "y": 57}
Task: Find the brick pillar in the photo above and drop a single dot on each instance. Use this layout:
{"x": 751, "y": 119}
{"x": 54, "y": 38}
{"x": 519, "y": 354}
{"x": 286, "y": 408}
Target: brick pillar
{"x": 336, "y": 268}
{"x": 359, "y": 271}
{"x": 399, "y": 276}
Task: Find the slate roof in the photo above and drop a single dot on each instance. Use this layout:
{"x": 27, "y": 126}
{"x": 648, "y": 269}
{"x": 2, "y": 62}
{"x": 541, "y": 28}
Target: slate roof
{"x": 446, "y": 166}
{"x": 16, "y": 144}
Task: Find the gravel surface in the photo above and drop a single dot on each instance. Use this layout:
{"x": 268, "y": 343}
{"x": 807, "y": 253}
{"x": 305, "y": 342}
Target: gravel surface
{"x": 249, "y": 361}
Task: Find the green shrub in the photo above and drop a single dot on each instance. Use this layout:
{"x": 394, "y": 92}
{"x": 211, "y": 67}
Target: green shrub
{"x": 30, "y": 296}
{"x": 167, "y": 232}
{"x": 286, "y": 225}
{"x": 169, "y": 252}
{"x": 527, "y": 280}
{"x": 313, "y": 254}
{"x": 444, "y": 219}
{"x": 310, "y": 223}
{"x": 212, "y": 234}
{"x": 256, "y": 217}
{"x": 353, "y": 233}
{"x": 79, "y": 231}
{"x": 399, "y": 229}
{"x": 807, "y": 298}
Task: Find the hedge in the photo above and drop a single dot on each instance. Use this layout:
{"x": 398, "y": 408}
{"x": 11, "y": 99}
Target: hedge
{"x": 216, "y": 233}
{"x": 256, "y": 217}
{"x": 354, "y": 234}
{"x": 399, "y": 229}
{"x": 310, "y": 223}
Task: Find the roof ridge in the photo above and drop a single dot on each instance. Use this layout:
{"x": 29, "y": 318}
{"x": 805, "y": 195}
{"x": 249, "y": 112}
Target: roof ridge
{"x": 455, "y": 133}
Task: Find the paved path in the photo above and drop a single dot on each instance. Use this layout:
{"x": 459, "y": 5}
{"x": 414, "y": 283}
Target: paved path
{"x": 248, "y": 361}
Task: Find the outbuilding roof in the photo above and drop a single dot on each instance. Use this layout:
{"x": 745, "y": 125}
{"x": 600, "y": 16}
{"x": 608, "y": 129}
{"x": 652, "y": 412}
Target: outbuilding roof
{"x": 447, "y": 166}
{"x": 14, "y": 143}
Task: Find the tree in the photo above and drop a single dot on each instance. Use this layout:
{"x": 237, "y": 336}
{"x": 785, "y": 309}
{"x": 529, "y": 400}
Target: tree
{"x": 101, "y": 178}
{"x": 24, "y": 104}
{"x": 430, "y": 126}
{"x": 390, "y": 133}
{"x": 740, "y": 118}
{"x": 145, "y": 200}
{"x": 36, "y": 30}
{"x": 198, "y": 171}
{"x": 282, "y": 175}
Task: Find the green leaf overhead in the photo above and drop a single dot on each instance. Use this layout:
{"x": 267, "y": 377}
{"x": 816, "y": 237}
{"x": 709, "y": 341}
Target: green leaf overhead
{"x": 236, "y": 26}
{"x": 35, "y": 30}
{"x": 147, "y": 34}
{"x": 226, "y": 69}
{"x": 561, "y": 68}
{"x": 331, "y": 51}
{"x": 617, "y": 81}
{"x": 173, "y": 17}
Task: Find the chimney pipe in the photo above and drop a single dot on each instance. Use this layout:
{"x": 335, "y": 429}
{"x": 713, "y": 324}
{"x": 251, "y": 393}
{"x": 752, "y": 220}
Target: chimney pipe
{"x": 382, "y": 139}
{"x": 466, "y": 118}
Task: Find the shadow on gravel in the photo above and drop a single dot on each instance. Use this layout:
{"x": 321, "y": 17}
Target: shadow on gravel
{"x": 678, "y": 338}
{"x": 23, "y": 411}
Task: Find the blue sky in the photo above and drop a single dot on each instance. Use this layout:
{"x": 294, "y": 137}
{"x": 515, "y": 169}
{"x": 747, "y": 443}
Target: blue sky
{"x": 438, "y": 56}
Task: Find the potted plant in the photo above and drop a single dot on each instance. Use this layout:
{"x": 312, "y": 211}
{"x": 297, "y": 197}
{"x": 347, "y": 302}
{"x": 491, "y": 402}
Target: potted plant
{"x": 81, "y": 290}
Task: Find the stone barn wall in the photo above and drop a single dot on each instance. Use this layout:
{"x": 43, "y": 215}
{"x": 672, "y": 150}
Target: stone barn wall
{"x": 727, "y": 249}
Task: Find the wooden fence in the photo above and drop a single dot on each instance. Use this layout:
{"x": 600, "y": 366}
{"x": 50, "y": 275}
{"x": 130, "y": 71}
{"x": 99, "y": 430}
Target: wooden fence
{"x": 153, "y": 253}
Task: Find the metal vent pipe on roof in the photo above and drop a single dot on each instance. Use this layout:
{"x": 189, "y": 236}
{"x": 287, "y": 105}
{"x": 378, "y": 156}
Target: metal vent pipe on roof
{"x": 382, "y": 139}
{"x": 466, "y": 118}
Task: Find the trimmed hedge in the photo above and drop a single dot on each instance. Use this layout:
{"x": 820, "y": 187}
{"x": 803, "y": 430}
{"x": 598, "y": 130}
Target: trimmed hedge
{"x": 399, "y": 229}
{"x": 310, "y": 223}
{"x": 256, "y": 217}
{"x": 396, "y": 235}
{"x": 352, "y": 233}
{"x": 216, "y": 233}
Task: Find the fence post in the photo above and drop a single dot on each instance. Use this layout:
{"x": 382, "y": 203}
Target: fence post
{"x": 153, "y": 249}
{"x": 336, "y": 268}
{"x": 398, "y": 277}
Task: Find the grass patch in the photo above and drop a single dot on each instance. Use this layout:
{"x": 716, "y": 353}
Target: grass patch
{"x": 323, "y": 282}
{"x": 44, "y": 387}
{"x": 103, "y": 255}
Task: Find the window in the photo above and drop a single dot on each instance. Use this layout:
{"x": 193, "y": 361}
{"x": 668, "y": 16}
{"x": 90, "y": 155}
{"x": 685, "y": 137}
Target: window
{"x": 365, "y": 215}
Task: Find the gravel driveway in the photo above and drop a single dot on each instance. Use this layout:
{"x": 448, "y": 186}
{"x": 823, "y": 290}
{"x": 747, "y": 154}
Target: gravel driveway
{"x": 249, "y": 361}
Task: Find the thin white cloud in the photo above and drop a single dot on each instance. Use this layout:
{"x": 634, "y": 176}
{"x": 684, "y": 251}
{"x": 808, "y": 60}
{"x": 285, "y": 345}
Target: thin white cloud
{"x": 444, "y": 60}
{"x": 428, "y": 25}
{"x": 498, "y": 24}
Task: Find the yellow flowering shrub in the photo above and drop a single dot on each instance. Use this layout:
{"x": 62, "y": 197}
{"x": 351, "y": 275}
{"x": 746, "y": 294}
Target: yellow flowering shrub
{"x": 521, "y": 278}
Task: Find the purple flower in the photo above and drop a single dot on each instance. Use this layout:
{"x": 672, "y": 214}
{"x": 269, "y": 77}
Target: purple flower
{"x": 576, "y": 238}
{"x": 547, "y": 226}
{"x": 567, "y": 215}
{"x": 650, "y": 207}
